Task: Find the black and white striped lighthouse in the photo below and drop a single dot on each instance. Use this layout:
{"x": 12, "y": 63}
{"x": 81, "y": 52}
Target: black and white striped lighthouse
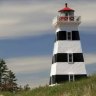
{"x": 67, "y": 61}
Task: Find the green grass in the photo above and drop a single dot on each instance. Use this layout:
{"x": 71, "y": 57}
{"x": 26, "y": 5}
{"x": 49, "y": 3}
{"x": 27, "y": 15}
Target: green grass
{"x": 84, "y": 87}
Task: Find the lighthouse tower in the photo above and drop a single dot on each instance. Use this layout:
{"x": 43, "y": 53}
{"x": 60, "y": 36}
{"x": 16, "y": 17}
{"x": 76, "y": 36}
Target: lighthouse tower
{"x": 67, "y": 61}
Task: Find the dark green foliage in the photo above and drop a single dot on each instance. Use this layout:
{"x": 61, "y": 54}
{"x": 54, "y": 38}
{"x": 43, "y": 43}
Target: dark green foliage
{"x": 3, "y": 69}
{"x": 7, "y": 78}
{"x": 9, "y": 81}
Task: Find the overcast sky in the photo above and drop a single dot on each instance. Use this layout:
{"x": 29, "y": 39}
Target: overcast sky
{"x": 27, "y": 36}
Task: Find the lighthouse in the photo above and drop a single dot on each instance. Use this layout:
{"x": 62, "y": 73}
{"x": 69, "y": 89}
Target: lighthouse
{"x": 67, "y": 60}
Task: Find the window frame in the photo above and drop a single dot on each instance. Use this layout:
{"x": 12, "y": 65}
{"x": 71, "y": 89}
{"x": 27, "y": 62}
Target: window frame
{"x": 70, "y": 62}
{"x": 67, "y": 35}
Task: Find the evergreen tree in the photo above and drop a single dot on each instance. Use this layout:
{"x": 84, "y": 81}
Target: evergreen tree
{"x": 7, "y": 78}
{"x": 10, "y": 81}
{"x": 3, "y": 70}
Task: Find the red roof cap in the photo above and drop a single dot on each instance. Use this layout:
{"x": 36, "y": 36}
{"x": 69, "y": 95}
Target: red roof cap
{"x": 66, "y": 8}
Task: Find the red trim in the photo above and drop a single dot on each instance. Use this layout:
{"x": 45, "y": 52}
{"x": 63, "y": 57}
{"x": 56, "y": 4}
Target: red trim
{"x": 63, "y": 18}
{"x": 66, "y": 9}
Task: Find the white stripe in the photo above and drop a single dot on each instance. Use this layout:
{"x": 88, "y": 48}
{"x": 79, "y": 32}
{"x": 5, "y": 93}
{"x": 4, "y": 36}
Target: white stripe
{"x": 67, "y": 47}
{"x": 65, "y": 68}
{"x": 67, "y": 27}
{"x": 53, "y": 69}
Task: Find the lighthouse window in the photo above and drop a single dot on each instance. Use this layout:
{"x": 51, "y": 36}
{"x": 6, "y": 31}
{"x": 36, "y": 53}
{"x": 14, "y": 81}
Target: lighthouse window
{"x": 66, "y": 14}
{"x": 70, "y": 58}
{"x": 69, "y": 36}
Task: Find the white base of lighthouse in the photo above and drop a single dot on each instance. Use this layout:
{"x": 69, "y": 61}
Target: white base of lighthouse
{"x": 61, "y": 72}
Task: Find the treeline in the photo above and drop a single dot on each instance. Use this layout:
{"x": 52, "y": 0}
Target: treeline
{"x": 8, "y": 79}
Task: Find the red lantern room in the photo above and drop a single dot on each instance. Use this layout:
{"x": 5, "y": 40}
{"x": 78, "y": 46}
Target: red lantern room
{"x": 66, "y": 11}
{"x": 66, "y": 15}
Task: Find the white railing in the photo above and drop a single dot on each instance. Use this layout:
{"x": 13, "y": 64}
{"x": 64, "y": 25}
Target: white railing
{"x": 67, "y": 19}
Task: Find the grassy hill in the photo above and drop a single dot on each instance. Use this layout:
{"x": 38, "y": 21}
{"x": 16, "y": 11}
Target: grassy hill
{"x": 84, "y": 87}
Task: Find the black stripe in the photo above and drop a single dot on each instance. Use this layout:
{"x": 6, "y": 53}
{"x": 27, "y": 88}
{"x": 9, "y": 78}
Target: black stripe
{"x": 63, "y": 78}
{"x": 60, "y": 57}
{"x": 62, "y": 35}
{"x": 78, "y": 57}
{"x": 63, "y": 57}
{"x": 75, "y": 35}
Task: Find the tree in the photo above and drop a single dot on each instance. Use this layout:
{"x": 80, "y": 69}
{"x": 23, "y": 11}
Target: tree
{"x": 12, "y": 81}
{"x": 9, "y": 81}
{"x": 7, "y": 78}
{"x": 3, "y": 70}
